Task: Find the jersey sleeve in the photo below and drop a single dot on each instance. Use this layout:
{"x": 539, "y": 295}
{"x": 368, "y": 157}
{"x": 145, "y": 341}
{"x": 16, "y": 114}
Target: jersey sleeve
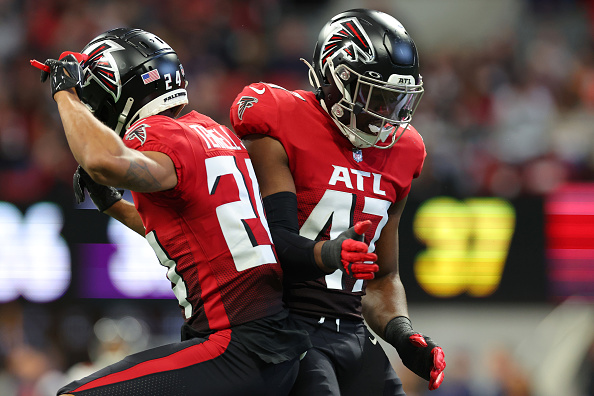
{"x": 254, "y": 111}
{"x": 413, "y": 149}
{"x": 160, "y": 134}
{"x": 421, "y": 153}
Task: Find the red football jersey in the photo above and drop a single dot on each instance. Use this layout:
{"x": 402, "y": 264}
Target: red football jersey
{"x": 337, "y": 184}
{"x": 210, "y": 230}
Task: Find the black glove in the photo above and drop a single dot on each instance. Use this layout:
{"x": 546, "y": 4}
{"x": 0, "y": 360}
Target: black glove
{"x": 348, "y": 252}
{"x": 103, "y": 196}
{"x": 418, "y": 352}
{"x": 64, "y": 74}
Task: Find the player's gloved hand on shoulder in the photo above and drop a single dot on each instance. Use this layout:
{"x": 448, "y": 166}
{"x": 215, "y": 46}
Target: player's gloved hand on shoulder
{"x": 348, "y": 253}
{"x": 418, "y": 352}
{"x": 103, "y": 196}
{"x": 64, "y": 74}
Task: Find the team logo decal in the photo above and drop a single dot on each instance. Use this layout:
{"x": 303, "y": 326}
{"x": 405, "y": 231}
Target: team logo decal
{"x": 139, "y": 132}
{"x": 101, "y": 67}
{"x": 244, "y": 103}
{"x": 358, "y": 155}
{"x": 349, "y": 38}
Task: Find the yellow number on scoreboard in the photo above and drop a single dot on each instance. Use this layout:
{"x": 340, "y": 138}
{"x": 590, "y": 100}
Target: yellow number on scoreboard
{"x": 467, "y": 245}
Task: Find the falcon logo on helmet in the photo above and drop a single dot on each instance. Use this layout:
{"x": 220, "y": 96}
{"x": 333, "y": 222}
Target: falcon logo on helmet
{"x": 244, "y": 103}
{"x": 350, "y": 39}
{"x": 139, "y": 132}
{"x": 101, "y": 67}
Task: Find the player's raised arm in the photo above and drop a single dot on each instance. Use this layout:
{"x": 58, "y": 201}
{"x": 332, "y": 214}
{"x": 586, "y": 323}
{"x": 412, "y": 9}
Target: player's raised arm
{"x": 97, "y": 148}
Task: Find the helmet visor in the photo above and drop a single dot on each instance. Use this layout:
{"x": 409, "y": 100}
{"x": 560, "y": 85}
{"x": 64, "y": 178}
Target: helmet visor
{"x": 374, "y": 112}
{"x": 390, "y": 103}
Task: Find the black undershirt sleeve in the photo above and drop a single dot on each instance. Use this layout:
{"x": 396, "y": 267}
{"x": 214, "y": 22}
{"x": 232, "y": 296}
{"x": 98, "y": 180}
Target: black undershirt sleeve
{"x": 296, "y": 253}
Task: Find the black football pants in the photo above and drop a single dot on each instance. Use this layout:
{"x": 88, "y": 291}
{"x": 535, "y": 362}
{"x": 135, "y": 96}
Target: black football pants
{"x": 346, "y": 360}
{"x": 214, "y": 366}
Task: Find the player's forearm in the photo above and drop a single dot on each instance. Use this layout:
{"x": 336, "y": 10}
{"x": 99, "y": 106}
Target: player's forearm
{"x": 93, "y": 145}
{"x": 297, "y": 254}
{"x": 125, "y": 212}
{"x": 384, "y": 300}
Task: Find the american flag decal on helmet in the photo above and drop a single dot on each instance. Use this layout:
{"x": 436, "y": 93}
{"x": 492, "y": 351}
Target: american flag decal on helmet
{"x": 151, "y": 76}
{"x": 350, "y": 38}
{"x": 244, "y": 103}
{"x": 101, "y": 67}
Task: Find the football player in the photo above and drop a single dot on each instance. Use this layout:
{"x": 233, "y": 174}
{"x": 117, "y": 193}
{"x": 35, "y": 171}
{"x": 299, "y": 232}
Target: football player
{"x": 197, "y": 201}
{"x": 326, "y": 160}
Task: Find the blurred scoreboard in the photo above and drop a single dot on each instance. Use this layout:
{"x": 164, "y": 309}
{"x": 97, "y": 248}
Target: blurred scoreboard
{"x": 532, "y": 249}
{"x": 570, "y": 241}
{"x": 483, "y": 248}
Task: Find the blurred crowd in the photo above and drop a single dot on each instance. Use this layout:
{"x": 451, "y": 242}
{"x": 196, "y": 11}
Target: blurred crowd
{"x": 515, "y": 116}
{"x": 42, "y": 349}
{"x": 510, "y": 118}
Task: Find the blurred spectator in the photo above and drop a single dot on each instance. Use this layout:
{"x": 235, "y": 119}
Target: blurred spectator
{"x": 511, "y": 379}
{"x": 32, "y": 373}
{"x": 113, "y": 340}
{"x": 459, "y": 376}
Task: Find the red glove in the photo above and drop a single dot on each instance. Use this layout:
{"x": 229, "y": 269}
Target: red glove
{"x": 66, "y": 71}
{"x": 436, "y": 375}
{"x": 418, "y": 352}
{"x": 349, "y": 253}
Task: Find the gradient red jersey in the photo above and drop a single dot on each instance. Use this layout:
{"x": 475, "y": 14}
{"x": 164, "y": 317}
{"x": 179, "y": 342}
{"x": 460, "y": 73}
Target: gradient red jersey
{"x": 337, "y": 184}
{"x": 209, "y": 231}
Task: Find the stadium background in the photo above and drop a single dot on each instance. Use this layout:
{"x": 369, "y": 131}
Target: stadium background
{"x": 497, "y": 241}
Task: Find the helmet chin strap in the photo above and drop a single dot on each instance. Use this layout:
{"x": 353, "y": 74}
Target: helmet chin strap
{"x": 315, "y": 82}
{"x": 313, "y": 78}
{"x": 336, "y": 109}
{"x": 124, "y": 115}
{"x": 356, "y": 137}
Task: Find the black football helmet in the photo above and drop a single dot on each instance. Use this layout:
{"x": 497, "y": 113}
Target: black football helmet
{"x": 131, "y": 74}
{"x": 366, "y": 73}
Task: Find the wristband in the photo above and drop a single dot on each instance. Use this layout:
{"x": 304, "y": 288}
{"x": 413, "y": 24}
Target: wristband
{"x": 295, "y": 253}
{"x": 396, "y": 328}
